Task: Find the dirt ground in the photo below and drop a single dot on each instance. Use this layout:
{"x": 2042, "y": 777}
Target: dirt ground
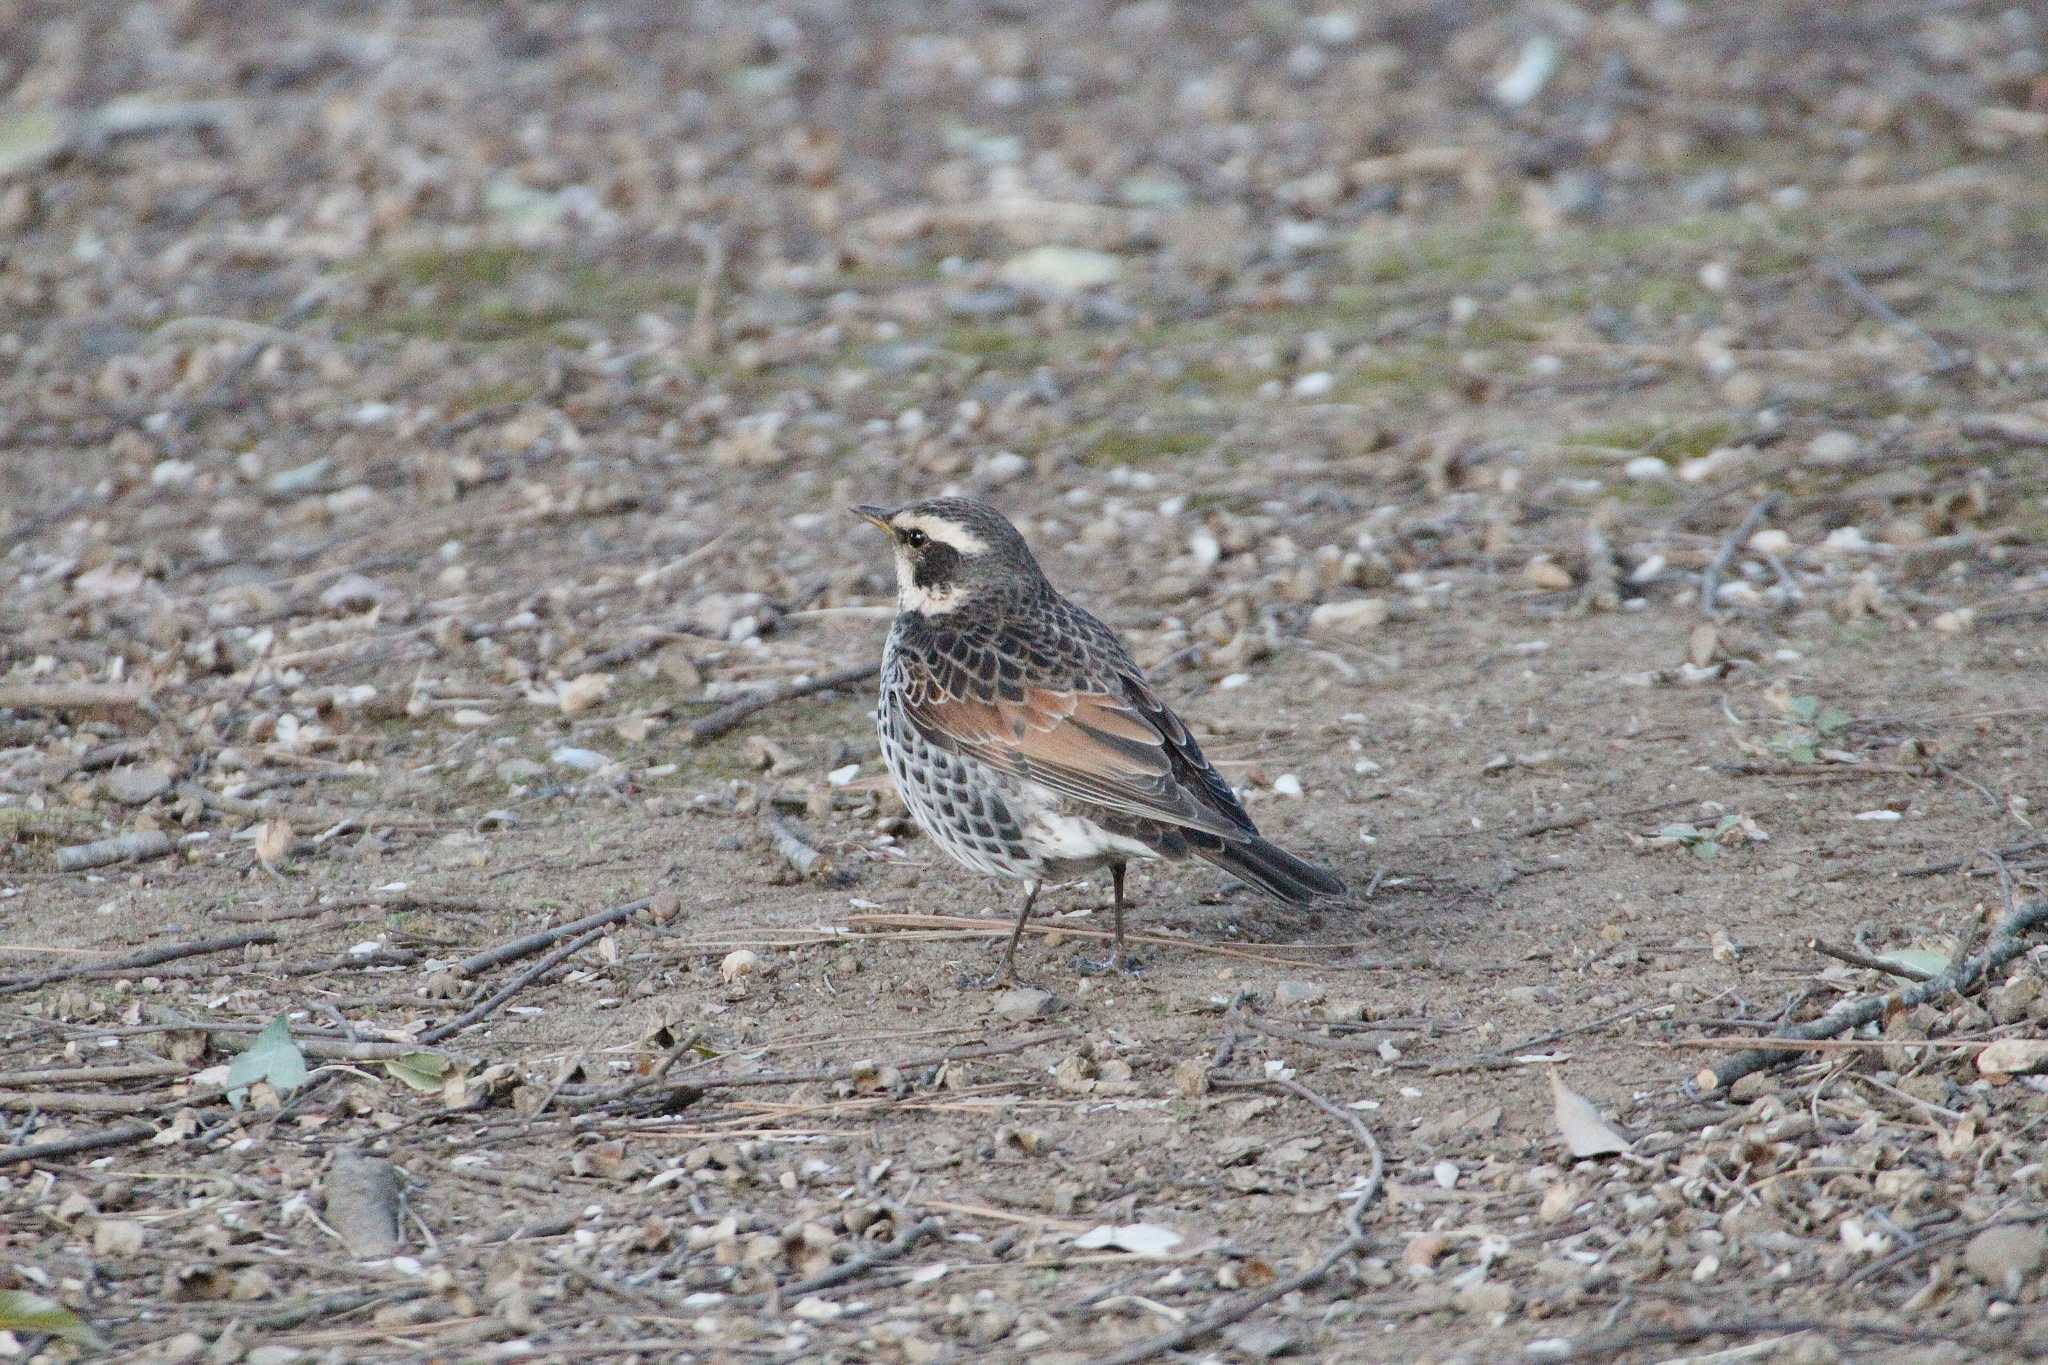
{"x": 1581, "y": 469}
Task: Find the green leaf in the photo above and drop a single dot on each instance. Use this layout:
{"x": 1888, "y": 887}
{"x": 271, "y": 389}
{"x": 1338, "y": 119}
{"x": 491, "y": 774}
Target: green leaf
{"x": 422, "y": 1071}
{"x": 1802, "y": 753}
{"x": 1918, "y": 960}
{"x": 1805, "y": 708}
{"x": 1832, "y": 721}
{"x": 1706, "y": 848}
{"x": 21, "y": 1311}
{"x": 273, "y": 1058}
{"x": 1682, "y": 833}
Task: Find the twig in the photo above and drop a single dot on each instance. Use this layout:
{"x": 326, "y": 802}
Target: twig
{"x": 964, "y": 925}
{"x": 798, "y": 854}
{"x": 1563, "y": 822}
{"x": 1710, "y": 581}
{"x": 1944, "y": 359}
{"x": 153, "y": 957}
{"x": 66, "y": 1075}
{"x": 139, "y": 846}
{"x": 704, "y": 315}
{"x": 71, "y": 696}
{"x": 825, "y": 1074}
{"x": 535, "y": 942}
{"x": 75, "y": 1102}
{"x": 221, "y": 392}
{"x": 1875, "y": 964}
{"x": 122, "y": 1136}
{"x": 1952, "y": 864}
{"x": 860, "y": 1265}
{"x": 390, "y": 902}
{"x": 1926, "y": 1244}
{"x": 1354, "y": 1242}
{"x": 1965, "y": 971}
{"x": 34, "y": 525}
{"x": 335, "y": 1305}
{"x": 1618, "y": 1342}
{"x": 488, "y": 1006}
{"x": 728, "y": 717}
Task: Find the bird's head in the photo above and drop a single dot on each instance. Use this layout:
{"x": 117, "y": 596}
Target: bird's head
{"x": 950, "y": 551}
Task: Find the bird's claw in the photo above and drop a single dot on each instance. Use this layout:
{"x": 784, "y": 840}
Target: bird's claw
{"x": 1116, "y": 964}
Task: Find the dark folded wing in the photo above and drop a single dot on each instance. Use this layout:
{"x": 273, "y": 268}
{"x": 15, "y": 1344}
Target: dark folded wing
{"x": 1126, "y": 753}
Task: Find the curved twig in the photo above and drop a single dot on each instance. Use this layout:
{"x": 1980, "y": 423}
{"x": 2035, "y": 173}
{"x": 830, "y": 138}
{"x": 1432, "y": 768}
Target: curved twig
{"x": 2007, "y": 943}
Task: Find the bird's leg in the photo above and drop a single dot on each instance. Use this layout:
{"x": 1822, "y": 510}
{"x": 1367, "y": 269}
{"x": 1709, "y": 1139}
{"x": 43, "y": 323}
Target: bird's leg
{"x": 1116, "y": 961}
{"x": 1006, "y": 975}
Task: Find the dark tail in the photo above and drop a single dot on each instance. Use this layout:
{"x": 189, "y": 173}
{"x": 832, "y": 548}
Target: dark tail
{"x": 1273, "y": 870}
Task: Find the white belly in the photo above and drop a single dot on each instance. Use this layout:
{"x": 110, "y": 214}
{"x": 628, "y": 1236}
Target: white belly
{"x": 1072, "y": 838}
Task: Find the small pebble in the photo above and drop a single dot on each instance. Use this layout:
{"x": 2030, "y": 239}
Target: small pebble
{"x": 1295, "y": 994}
{"x": 1023, "y": 1002}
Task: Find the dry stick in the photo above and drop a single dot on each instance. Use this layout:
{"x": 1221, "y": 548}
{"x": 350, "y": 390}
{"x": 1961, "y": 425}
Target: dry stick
{"x": 392, "y": 902}
{"x": 169, "y": 953}
{"x": 1563, "y": 822}
{"x": 71, "y": 696}
{"x": 791, "y": 845}
{"x": 964, "y": 926}
{"x": 1618, "y": 1342}
{"x": 535, "y": 942}
{"x": 1967, "y": 969}
{"x": 1927, "y": 1244}
{"x": 73, "y": 1102}
{"x": 1710, "y": 581}
{"x": 1944, "y": 359}
{"x": 836, "y": 1073}
{"x": 704, "y": 314}
{"x": 1952, "y": 864}
{"x": 137, "y": 847}
{"x": 1355, "y": 1241}
{"x": 1875, "y": 964}
{"x": 728, "y": 717}
{"x": 483, "y": 1009}
{"x": 859, "y": 1265}
{"x": 66, "y": 1075}
{"x": 123, "y": 1136}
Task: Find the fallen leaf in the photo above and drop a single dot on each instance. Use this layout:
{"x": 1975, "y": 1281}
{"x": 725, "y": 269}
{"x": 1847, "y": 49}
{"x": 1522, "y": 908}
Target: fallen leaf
{"x": 1140, "y": 1239}
{"x": 1585, "y": 1132}
{"x": 425, "y": 1072}
{"x": 2014, "y": 1057}
{"x": 583, "y": 692}
{"x": 273, "y": 1059}
{"x": 273, "y": 841}
{"x": 1917, "y": 960}
{"x": 21, "y": 1311}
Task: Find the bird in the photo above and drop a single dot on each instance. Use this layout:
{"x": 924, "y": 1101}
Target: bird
{"x": 1025, "y": 740}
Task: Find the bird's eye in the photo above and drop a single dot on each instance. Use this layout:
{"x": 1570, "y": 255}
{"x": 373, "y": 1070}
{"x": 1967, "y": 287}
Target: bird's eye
{"x": 915, "y": 539}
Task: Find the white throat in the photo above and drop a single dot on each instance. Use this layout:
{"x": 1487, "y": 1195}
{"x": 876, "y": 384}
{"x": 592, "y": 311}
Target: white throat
{"x": 923, "y": 601}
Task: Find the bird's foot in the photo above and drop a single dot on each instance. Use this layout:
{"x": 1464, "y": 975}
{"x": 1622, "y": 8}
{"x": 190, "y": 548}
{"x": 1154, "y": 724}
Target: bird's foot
{"x": 1116, "y": 964}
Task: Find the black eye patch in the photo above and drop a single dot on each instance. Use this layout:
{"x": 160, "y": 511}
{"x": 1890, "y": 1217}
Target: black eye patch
{"x": 938, "y": 566}
{"x": 915, "y": 539}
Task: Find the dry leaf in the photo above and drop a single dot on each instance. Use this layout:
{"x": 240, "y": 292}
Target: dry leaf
{"x": 1140, "y": 1239}
{"x": 1585, "y": 1132}
{"x": 2014, "y": 1057}
{"x": 583, "y": 692}
{"x": 273, "y": 842}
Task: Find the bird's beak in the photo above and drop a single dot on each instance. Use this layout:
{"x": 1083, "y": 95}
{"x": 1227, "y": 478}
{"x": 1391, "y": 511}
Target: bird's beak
{"x": 869, "y": 512}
